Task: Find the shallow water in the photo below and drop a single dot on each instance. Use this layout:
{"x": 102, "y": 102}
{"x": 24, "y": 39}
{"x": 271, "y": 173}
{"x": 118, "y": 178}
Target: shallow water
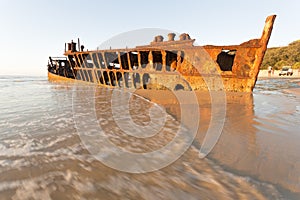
{"x": 44, "y": 153}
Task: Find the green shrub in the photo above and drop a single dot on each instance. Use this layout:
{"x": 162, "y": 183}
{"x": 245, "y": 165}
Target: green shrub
{"x": 278, "y": 57}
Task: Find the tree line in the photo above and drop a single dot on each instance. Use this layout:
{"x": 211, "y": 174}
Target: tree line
{"x": 277, "y": 57}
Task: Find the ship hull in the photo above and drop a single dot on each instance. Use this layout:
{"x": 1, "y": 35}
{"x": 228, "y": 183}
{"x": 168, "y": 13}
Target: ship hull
{"x": 167, "y": 65}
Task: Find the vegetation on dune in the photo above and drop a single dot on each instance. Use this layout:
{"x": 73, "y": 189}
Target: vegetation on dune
{"x": 278, "y": 57}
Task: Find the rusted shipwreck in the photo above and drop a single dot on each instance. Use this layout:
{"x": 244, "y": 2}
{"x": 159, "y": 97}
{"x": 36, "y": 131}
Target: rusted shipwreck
{"x": 172, "y": 64}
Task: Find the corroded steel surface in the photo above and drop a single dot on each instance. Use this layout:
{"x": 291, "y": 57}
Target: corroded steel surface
{"x": 174, "y": 65}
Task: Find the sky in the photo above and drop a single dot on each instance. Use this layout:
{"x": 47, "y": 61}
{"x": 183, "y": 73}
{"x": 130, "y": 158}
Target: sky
{"x": 33, "y": 30}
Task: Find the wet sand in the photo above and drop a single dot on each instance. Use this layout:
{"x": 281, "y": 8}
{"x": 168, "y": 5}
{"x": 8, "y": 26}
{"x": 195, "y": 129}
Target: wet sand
{"x": 43, "y": 155}
{"x": 260, "y": 137}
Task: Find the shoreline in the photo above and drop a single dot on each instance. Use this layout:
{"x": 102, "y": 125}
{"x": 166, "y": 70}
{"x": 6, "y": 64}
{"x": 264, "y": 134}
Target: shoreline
{"x": 265, "y": 74}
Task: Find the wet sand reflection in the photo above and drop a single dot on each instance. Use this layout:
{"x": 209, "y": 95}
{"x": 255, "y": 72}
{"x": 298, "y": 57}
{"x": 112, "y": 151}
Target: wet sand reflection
{"x": 256, "y": 141}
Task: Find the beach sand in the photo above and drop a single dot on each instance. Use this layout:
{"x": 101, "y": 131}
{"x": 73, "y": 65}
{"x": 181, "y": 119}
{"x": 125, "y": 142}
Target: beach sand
{"x": 259, "y": 136}
{"x": 265, "y": 74}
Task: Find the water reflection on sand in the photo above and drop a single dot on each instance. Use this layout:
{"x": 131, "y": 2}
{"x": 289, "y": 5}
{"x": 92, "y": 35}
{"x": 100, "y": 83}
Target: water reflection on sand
{"x": 43, "y": 157}
{"x": 260, "y": 137}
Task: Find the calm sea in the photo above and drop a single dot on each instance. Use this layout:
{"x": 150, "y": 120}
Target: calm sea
{"x": 43, "y": 155}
